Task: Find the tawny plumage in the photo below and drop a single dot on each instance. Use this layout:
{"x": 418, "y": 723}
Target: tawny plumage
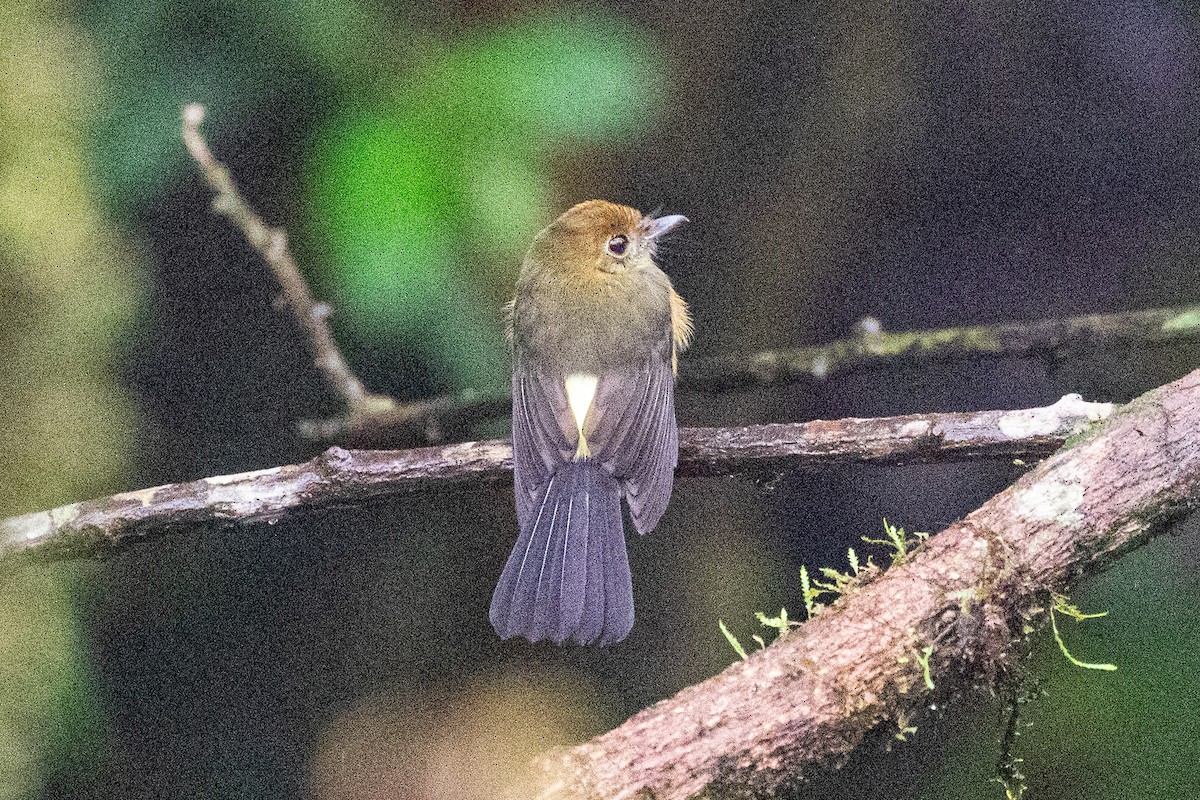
{"x": 596, "y": 329}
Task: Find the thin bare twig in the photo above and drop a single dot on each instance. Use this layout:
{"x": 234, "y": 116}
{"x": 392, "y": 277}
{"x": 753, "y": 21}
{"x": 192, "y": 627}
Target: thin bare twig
{"x": 378, "y": 419}
{"x": 432, "y": 420}
{"x": 953, "y": 613}
{"x": 340, "y": 477}
{"x": 271, "y": 244}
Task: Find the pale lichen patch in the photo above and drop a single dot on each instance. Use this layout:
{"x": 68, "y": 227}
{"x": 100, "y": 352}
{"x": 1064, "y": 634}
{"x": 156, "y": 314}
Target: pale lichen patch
{"x": 1055, "y": 499}
{"x": 39, "y": 525}
{"x": 1029, "y": 422}
{"x": 143, "y": 496}
{"x": 1183, "y": 322}
{"x": 252, "y": 497}
{"x": 820, "y": 366}
{"x": 1070, "y": 414}
{"x": 916, "y": 428}
{"x": 240, "y": 477}
{"x": 63, "y": 515}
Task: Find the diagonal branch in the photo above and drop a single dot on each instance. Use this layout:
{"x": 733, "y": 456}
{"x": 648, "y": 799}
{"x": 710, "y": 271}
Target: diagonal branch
{"x": 341, "y": 477}
{"x": 809, "y": 699}
{"x": 271, "y": 244}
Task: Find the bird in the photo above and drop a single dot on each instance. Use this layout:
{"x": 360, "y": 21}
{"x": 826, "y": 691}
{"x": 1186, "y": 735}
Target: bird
{"x": 595, "y": 329}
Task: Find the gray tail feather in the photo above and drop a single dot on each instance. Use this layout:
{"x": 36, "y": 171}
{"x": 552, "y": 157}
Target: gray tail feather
{"x": 568, "y": 575}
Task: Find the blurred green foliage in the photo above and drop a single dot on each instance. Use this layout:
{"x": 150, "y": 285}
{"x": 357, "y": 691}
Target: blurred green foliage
{"x": 69, "y": 286}
{"x": 49, "y": 724}
{"x": 64, "y": 421}
{"x": 1127, "y": 733}
{"x": 428, "y": 197}
{"x": 235, "y": 57}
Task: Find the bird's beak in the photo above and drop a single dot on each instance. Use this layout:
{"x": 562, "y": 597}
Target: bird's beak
{"x": 657, "y": 226}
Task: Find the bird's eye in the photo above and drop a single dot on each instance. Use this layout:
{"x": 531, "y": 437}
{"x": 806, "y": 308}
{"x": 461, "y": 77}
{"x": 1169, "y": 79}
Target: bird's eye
{"x": 617, "y": 245}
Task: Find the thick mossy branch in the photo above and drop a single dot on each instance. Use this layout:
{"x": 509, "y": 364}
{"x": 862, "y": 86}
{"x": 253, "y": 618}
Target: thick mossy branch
{"x": 810, "y": 698}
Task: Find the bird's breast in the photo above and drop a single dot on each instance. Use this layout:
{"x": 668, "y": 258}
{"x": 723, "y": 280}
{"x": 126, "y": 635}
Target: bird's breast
{"x": 592, "y": 326}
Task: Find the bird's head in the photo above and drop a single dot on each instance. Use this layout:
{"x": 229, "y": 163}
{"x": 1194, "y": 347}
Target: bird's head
{"x": 599, "y": 237}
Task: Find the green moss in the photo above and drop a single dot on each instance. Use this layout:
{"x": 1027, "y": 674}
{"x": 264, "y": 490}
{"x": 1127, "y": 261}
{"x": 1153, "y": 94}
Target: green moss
{"x": 1188, "y": 320}
{"x": 1062, "y": 605}
{"x": 976, "y": 339}
{"x": 833, "y": 584}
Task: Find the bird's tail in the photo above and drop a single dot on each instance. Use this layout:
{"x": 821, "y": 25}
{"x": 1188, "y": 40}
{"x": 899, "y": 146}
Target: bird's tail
{"x": 568, "y": 575}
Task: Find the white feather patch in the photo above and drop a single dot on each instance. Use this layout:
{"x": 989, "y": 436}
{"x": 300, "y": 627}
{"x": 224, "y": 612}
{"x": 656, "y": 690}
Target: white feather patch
{"x": 581, "y": 391}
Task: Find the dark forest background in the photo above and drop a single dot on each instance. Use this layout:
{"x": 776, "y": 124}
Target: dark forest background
{"x": 928, "y": 164}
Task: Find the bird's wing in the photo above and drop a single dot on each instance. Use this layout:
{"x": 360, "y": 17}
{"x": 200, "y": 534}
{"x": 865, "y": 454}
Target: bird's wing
{"x": 543, "y": 433}
{"x": 631, "y": 431}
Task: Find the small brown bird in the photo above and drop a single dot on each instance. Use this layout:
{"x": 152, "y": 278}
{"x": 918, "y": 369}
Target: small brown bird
{"x": 596, "y": 328}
